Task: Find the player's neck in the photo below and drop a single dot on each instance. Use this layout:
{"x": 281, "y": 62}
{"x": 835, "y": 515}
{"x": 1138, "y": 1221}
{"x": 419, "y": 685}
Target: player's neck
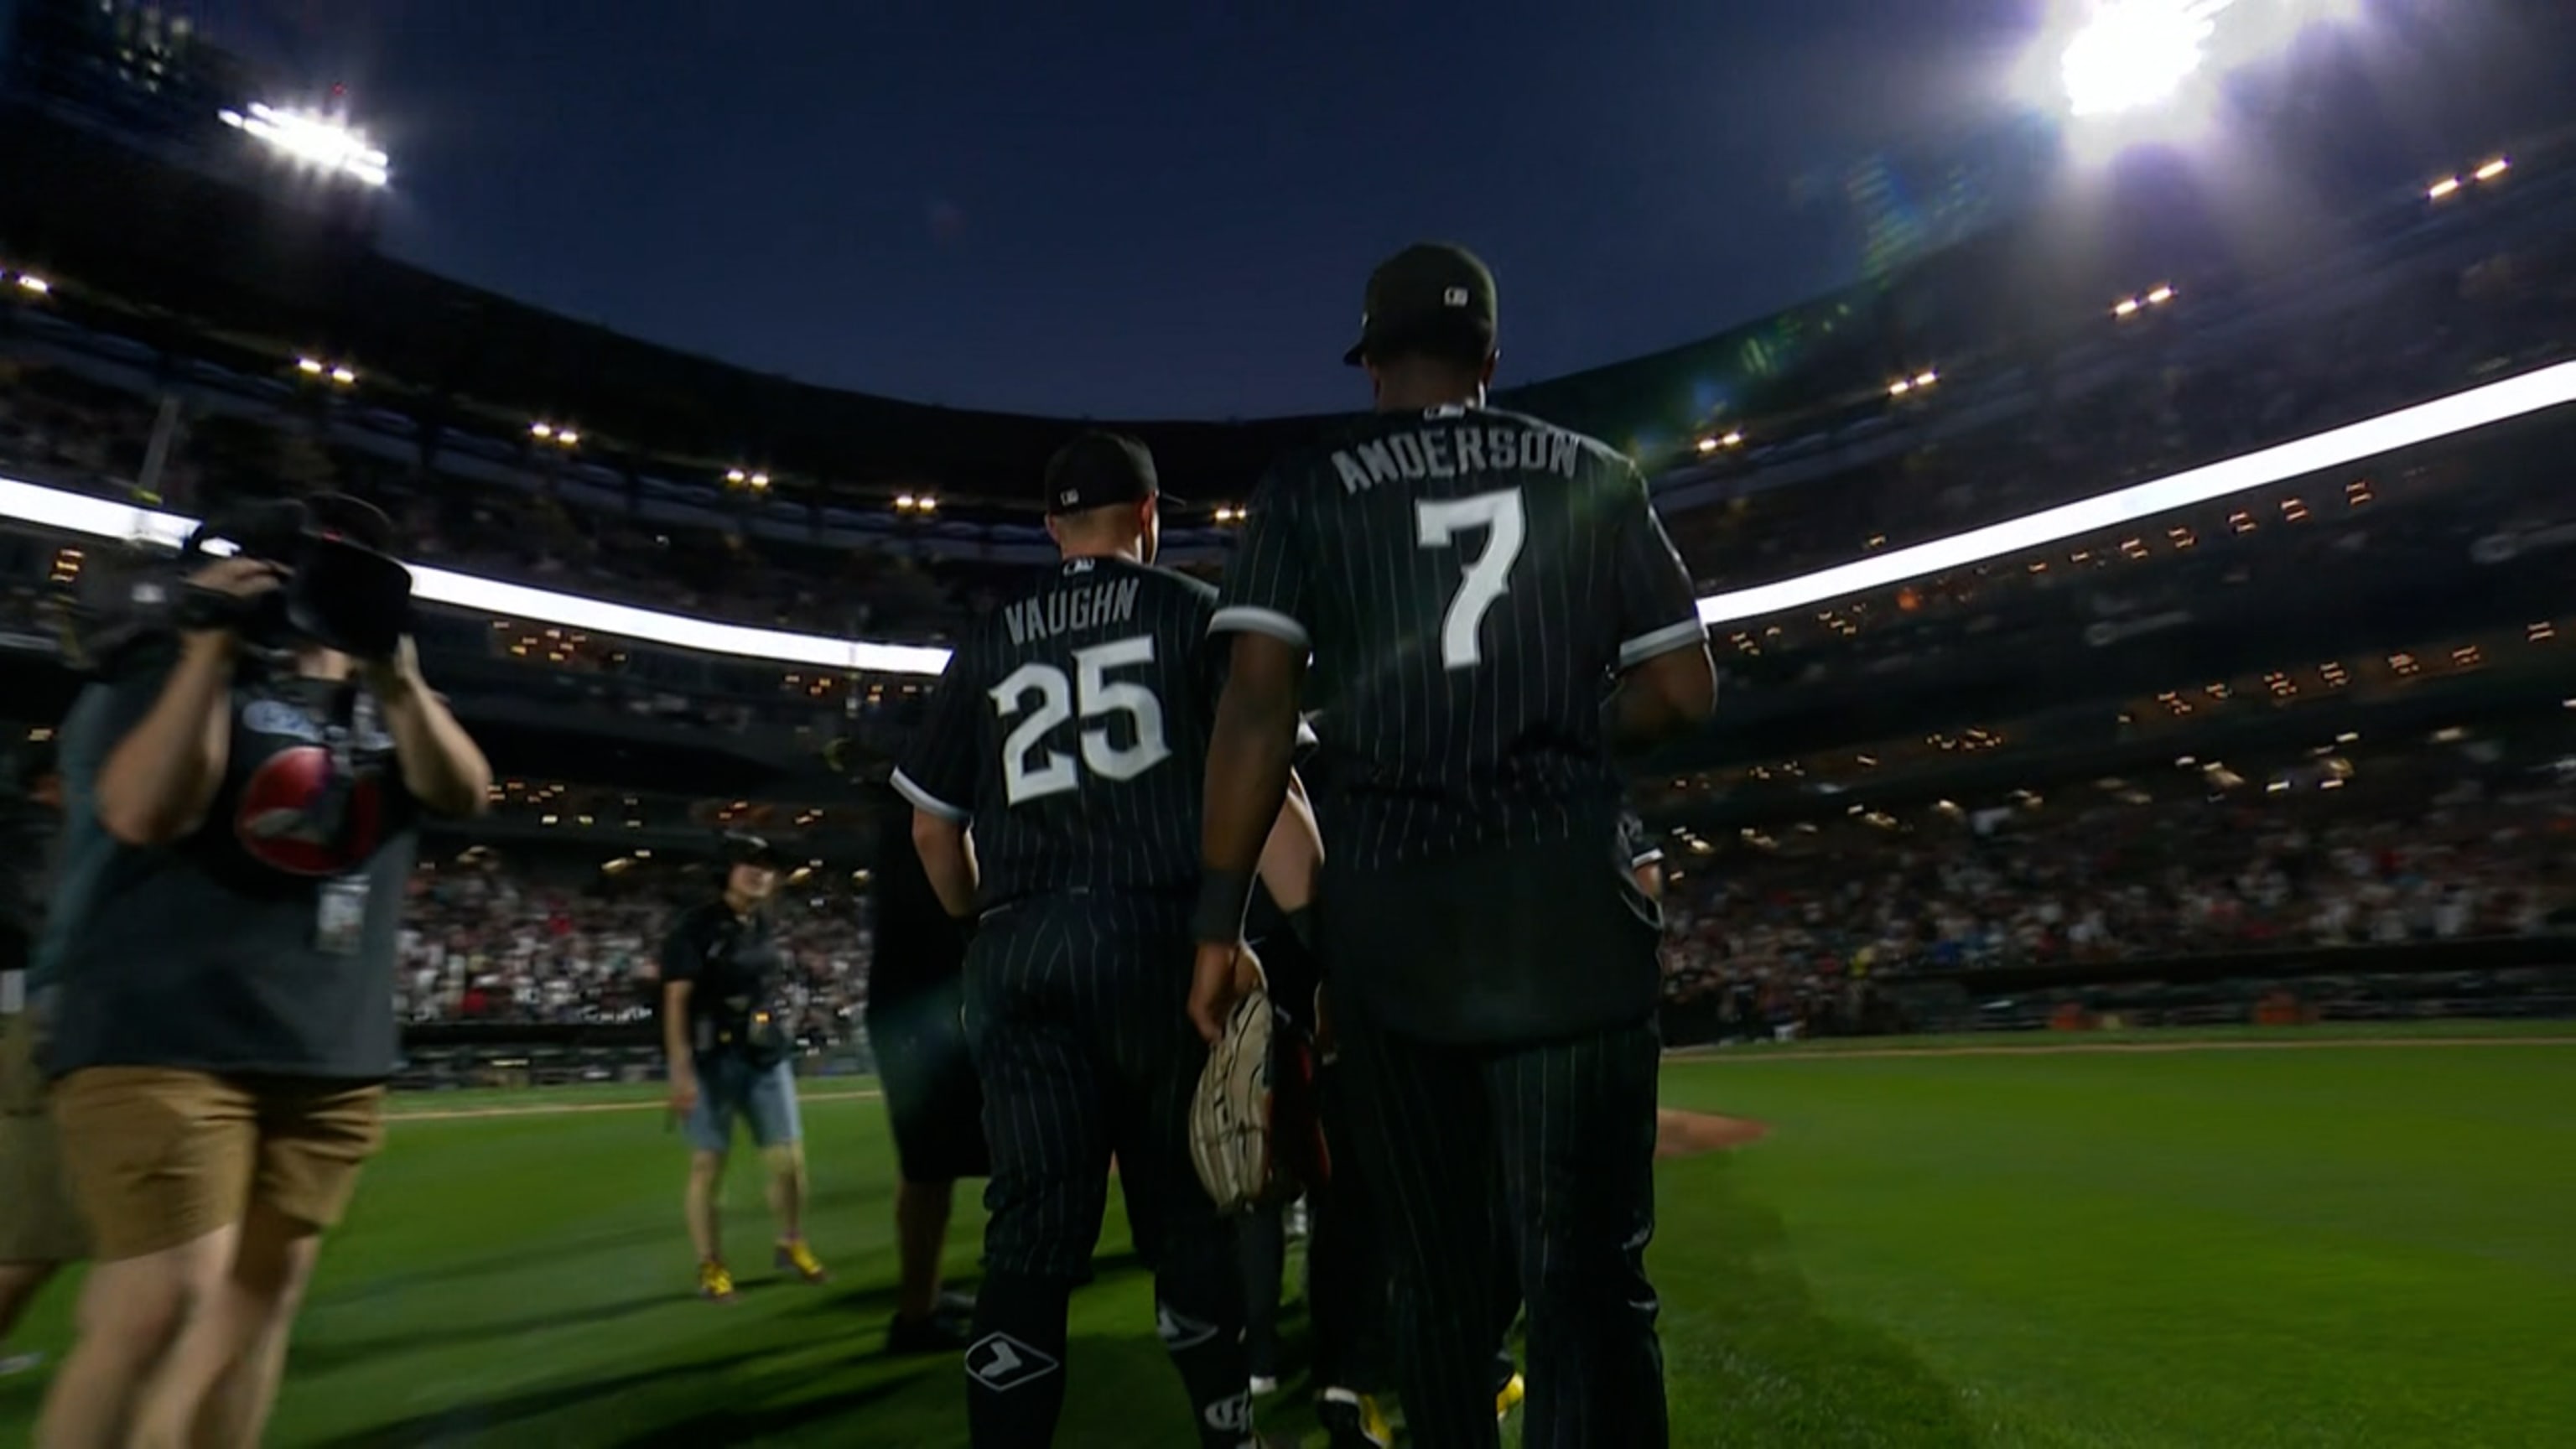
{"x": 1131, "y": 552}
{"x": 1412, "y": 395}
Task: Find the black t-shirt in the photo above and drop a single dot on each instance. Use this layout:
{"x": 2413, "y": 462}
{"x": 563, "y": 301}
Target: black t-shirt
{"x": 916, "y": 944}
{"x": 1470, "y": 582}
{"x": 1070, "y": 730}
{"x": 264, "y": 942}
{"x": 734, "y": 969}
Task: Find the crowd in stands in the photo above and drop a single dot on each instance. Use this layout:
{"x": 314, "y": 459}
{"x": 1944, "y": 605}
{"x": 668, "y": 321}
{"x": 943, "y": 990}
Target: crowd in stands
{"x": 484, "y": 944}
{"x": 1803, "y": 929}
{"x": 1808, "y": 926}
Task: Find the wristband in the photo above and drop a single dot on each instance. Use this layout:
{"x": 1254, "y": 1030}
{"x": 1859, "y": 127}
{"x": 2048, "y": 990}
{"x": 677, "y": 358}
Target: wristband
{"x": 1301, "y": 924}
{"x": 1223, "y": 894}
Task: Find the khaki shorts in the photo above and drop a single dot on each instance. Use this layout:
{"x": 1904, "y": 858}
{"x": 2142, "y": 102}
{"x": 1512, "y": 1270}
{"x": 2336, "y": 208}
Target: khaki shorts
{"x": 161, "y": 1157}
{"x": 38, "y": 1223}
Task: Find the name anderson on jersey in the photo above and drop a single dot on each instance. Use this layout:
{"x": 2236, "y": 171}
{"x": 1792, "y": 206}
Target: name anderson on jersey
{"x": 1448, "y": 452}
{"x": 1068, "y": 611}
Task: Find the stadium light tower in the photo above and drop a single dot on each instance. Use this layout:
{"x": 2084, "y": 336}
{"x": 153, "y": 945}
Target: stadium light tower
{"x": 2115, "y": 58}
{"x": 326, "y": 143}
{"x": 2136, "y": 53}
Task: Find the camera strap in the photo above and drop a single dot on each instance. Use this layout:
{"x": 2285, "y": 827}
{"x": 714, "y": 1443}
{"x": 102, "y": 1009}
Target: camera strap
{"x": 350, "y": 713}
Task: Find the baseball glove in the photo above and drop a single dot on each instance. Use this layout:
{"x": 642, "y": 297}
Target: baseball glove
{"x": 1254, "y": 1136}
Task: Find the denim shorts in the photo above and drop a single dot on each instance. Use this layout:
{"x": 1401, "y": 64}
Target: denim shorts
{"x": 729, "y": 1087}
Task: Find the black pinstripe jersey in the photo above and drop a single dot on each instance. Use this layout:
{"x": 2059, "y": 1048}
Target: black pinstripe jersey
{"x": 1470, "y": 582}
{"x": 1070, "y": 731}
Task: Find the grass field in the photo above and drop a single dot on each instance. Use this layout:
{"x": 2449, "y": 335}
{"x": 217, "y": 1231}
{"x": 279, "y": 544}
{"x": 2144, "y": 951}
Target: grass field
{"x": 2358, "y": 1244}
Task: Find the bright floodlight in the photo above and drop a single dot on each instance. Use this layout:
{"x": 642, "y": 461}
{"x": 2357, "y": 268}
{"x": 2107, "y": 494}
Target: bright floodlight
{"x": 315, "y": 139}
{"x": 2136, "y": 53}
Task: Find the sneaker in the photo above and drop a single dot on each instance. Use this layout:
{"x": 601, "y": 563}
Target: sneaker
{"x": 20, "y": 1363}
{"x": 1508, "y": 1397}
{"x": 1354, "y": 1421}
{"x": 921, "y": 1337}
{"x": 799, "y": 1259}
{"x": 715, "y": 1282}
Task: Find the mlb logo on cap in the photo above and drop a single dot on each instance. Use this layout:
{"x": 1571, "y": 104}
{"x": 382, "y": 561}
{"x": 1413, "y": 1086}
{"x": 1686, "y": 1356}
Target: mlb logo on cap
{"x": 1433, "y": 294}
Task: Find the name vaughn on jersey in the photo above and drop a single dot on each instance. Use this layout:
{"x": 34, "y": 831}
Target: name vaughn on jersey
{"x": 1070, "y": 611}
{"x": 1469, "y": 447}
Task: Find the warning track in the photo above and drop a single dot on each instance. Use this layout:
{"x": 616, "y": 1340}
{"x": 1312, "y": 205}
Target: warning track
{"x": 566, "y": 1109}
{"x": 1748, "y": 1056}
{"x": 1696, "y": 1057}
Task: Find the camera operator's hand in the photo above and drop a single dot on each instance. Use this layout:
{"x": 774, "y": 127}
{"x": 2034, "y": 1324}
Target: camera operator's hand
{"x": 236, "y": 580}
{"x": 395, "y": 678}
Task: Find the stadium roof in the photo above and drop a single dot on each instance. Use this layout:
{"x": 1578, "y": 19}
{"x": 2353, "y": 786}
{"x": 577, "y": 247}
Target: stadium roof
{"x": 187, "y": 261}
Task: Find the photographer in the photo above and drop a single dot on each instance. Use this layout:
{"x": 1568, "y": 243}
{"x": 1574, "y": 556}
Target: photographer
{"x": 242, "y": 802}
{"x": 730, "y": 1058}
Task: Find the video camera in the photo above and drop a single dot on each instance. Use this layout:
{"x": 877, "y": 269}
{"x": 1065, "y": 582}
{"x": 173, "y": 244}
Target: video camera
{"x": 341, "y": 586}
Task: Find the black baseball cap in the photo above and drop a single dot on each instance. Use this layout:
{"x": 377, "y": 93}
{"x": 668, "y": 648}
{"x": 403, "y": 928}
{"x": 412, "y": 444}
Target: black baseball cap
{"x": 741, "y": 847}
{"x": 1098, "y": 469}
{"x": 1430, "y": 293}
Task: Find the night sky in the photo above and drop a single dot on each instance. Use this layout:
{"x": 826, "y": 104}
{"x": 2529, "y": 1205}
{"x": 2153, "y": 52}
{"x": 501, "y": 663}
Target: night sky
{"x": 1133, "y": 209}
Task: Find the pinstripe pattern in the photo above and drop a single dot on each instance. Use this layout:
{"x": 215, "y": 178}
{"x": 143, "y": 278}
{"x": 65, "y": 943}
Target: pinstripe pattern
{"x": 1368, "y": 551}
{"x": 1572, "y": 1124}
{"x": 1089, "y": 812}
{"x": 1075, "y": 1008}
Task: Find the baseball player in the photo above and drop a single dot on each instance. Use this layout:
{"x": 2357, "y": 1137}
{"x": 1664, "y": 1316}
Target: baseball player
{"x": 1070, "y": 733}
{"x": 1491, "y": 609}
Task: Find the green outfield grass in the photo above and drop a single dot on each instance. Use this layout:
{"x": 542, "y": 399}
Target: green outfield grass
{"x": 2352, "y": 1245}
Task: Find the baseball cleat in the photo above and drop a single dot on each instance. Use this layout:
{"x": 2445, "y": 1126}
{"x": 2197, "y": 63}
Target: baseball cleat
{"x": 1354, "y": 1421}
{"x": 917, "y": 1337}
{"x": 715, "y": 1282}
{"x": 797, "y": 1258}
{"x": 1263, "y": 1385}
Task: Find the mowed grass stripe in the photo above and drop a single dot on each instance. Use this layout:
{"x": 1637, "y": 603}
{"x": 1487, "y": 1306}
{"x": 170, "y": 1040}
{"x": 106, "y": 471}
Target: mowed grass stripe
{"x": 2117, "y": 1249}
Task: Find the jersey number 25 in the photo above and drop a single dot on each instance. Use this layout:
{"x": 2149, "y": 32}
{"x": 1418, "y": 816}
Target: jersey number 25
{"x": 1484, "y": 578}
{"x": 1030, "y": 768}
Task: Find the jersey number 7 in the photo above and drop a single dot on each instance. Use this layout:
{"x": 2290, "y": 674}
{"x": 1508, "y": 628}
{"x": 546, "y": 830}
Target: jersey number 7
{"x": 1484, "y": 578}
{"x": 1030, "y": 769}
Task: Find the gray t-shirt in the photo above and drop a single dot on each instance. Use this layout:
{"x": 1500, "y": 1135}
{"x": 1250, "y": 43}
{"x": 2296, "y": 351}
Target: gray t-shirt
{"x": 264, "y": 942}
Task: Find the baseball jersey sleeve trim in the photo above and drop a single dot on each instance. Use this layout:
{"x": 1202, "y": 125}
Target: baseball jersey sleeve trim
{"x": 923, "y": 799}
{"x": 1253, "y": 619}
{"x": 1683, "y": 635}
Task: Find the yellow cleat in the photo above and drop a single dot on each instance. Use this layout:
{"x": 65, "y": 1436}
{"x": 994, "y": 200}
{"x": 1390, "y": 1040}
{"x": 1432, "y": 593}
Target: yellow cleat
{"x": 715, "y": 1282}
{"x": 1508, "y": 1397}
{"x": 1354, "y": 1421}
{"x": 799, "y": 1259}
{"x": 1373, "y": 1424}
